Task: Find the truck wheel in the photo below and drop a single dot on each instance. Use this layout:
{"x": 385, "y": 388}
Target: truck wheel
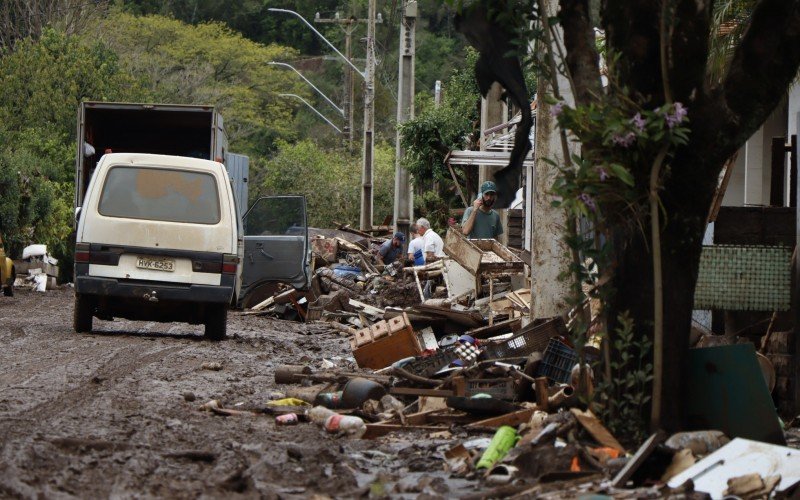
{"x": 216, "y": 322}
{"x": 84, "y": 311}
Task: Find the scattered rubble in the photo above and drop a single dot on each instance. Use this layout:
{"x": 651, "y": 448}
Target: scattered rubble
{"x": 446, "y": 349}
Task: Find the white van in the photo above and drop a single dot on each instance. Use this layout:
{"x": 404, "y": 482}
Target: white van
{"x": 158, "y": 239}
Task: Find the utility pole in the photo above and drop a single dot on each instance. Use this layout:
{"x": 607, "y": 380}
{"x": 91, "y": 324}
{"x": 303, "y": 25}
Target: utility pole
{"x": 348, "y": 25}
{"x": 405, "y": 112}
{"x": 369, "y": 123}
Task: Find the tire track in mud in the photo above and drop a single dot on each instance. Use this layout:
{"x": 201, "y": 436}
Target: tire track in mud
{"x": 124, "y": 362}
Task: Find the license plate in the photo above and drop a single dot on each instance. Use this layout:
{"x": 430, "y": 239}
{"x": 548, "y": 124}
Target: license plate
{"x": 155, "y": 263}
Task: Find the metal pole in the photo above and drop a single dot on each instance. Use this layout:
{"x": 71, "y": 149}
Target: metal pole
{"x": 274, "y": 63}
{"x": 313, "y": 109}
{"x": 405, "y": 112}
{"x": 369, "y": 123}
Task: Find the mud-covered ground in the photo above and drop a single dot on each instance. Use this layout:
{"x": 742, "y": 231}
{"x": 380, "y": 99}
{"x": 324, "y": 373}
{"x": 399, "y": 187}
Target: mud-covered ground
{"x": 106, "y": 414}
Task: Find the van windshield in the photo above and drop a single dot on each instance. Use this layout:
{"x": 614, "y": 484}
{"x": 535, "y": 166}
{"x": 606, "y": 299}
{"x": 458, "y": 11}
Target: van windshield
{"x": 160, "y": 194}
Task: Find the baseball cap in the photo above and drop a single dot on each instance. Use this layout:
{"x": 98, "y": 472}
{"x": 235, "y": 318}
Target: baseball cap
{"x": 400, "y": 236}
{"x": 488, "y": 187}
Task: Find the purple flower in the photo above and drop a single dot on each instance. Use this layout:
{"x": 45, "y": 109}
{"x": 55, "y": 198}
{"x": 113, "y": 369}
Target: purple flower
{"x": 639, "y": 122}
{"x": 624, "y": 140}
{"x": 603, "y": 174}
{"x": 588, "y": 201}
{"x": 677, "y": 116}
{"x": 557, "y": 109}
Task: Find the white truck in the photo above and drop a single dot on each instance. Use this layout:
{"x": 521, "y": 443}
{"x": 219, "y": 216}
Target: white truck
{"x": 272, "y": 233}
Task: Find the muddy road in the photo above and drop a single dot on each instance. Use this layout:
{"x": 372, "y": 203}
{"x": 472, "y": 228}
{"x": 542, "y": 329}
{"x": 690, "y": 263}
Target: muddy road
{"x": 109, "y": 413}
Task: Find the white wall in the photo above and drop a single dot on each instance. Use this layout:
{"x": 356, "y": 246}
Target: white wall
{"x": 750, "y": 180}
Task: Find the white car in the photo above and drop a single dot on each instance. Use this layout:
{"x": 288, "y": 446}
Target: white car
{"x": 158, "y": 239}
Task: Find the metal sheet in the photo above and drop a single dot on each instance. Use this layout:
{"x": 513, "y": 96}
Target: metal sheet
{"x": 727, "y": 392}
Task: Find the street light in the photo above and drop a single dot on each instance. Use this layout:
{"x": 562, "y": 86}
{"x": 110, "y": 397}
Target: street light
{"x": 314, "y": 110}
{"x": 273, "y": 63}
{"x": 287, "y": 11}
{"x": 369, "y": 108}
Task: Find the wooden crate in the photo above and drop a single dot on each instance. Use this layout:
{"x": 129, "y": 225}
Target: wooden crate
{"x": 481, "y": 256}
{"x": 385, "y": 342}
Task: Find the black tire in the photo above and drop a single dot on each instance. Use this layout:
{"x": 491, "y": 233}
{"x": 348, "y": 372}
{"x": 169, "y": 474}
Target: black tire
{"x": 83, "y": 314}
{"x": 8, "y": 291}
{"x": 216, "y": 322}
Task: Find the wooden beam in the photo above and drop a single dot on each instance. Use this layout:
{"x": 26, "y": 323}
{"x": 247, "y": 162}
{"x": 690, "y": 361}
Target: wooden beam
{"x": 513, "y": 419}
{"x": 413, "y": 391}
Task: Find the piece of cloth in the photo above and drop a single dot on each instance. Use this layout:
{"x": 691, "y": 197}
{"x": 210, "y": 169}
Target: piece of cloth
{"x": 432, "y": 242}
{"x": 487, "y": 225}
{"x": 389, "y": 253}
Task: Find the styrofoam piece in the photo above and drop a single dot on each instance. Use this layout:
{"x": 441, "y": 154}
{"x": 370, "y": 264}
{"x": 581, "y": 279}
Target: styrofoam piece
{"x": 738, "y": 458}
{"x": 34, "y": 251}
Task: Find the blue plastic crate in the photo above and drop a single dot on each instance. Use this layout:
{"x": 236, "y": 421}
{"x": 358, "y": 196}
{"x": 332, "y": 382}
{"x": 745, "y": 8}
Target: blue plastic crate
{"x": 557, "y": 361}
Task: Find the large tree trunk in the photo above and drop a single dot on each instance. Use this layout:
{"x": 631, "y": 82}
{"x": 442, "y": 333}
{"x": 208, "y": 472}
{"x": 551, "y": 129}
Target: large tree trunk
{"x": 722, "y": 117}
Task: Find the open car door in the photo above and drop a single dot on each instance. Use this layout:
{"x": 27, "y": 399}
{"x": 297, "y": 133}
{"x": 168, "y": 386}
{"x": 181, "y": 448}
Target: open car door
{"x": 276, "y": 248}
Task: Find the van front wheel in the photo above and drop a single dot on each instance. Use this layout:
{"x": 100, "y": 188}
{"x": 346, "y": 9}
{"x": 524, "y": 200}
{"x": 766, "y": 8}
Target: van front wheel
{"x": 82, "y": 317}
{"x": 216, "y": 321}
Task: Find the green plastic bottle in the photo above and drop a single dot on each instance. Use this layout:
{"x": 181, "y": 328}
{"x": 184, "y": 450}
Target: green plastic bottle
{"x": 504, "y": 439}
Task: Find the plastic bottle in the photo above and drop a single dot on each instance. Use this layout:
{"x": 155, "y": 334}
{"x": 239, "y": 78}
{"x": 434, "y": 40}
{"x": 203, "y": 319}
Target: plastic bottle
{"x": 319, "y": 414}
{"x": 504, "y": 439}
{"x": 345, "y": 424}
{"x": 329, "y": 399}
{"x": 287, "y": 419}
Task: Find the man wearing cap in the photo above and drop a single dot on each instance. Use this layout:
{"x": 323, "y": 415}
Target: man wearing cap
{"x": 391, "y": 249}
{"x": 480, "y": 220}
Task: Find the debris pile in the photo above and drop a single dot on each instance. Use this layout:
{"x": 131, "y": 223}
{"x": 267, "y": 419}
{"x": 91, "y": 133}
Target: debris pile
{"x": 447, "y": 350}
{"x": 37, "y": 269}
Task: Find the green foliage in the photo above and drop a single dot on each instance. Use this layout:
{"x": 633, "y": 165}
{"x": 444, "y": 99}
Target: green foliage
{"x": 210, "y": 64}
{"x": 434, "y": 132}
{"x": 434, "y": 208}
{"x": 42, "y": 82}
{"x": 330, "y": 181}
{"x": 625, "y": 395}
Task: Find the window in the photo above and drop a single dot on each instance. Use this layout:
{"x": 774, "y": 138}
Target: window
{"x": 160, "y": 194}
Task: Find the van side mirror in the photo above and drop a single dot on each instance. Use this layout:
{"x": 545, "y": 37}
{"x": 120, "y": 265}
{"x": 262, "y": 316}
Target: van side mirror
{"x": 77, "y": 214}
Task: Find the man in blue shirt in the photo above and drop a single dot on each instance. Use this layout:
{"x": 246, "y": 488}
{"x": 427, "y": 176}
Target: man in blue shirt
{"x": 480, "y": 220}
{"x": 391, "y": 249}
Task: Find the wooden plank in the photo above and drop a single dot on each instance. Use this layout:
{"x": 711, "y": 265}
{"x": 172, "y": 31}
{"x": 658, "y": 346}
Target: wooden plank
{"x": 368, "y": 309}
{"x": 462, "y": 250}
{"x": 777, "y": 172}
{"x": 633, "y": 464}
{"x": 378, "y": 430}
{"x": 506, "y": 326}
{"x": 755, "y": 226}
{"x": 413, "y": 391}
{"x": 596, "y": 429}
{"x": 721, "y": 188}
{"x": 513, "y": 419}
